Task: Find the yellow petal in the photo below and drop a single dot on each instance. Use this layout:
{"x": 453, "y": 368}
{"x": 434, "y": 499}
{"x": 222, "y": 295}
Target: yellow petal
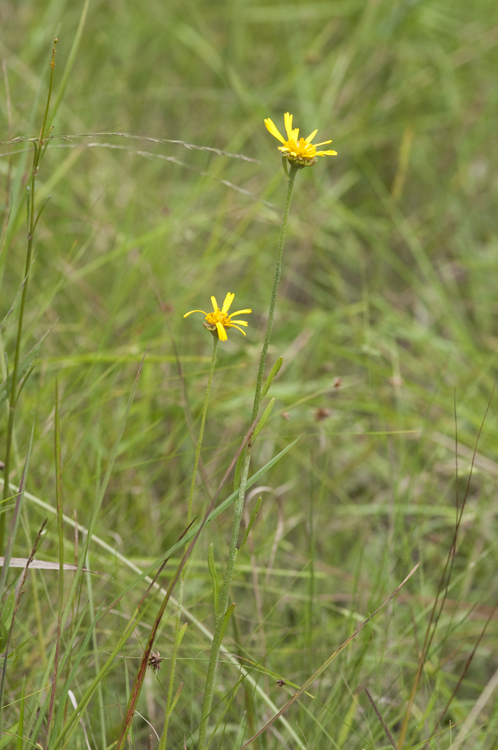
{"x": 239, "y": 329}
{"x": 222, "y": 334}
{"x": 228, "y": 301}
{"x": 190, "y": 313}
{"x": 322, "y": 143}
{"x": 240, "y": 322}
{"x": 292, "y": 133}
{"x": 214, "y": 304}
{"x": 240, "y": 312}
{"x": 288, "y": 125}
{"x": 271, "y": 127}
{"x": 312, "y": 135}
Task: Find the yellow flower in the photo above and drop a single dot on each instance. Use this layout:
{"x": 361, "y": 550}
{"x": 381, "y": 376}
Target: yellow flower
{"x": 219, "y": 320}
{"x": 298, "y": 151}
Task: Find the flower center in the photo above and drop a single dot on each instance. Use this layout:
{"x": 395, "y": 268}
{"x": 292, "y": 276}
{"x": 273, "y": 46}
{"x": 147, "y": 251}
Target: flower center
{"x": 218, "y": 317}
{"x": 300, "y": 148}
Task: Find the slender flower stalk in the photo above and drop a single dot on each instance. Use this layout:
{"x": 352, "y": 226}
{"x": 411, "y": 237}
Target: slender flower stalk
{"x": 218, "y": 322}
{"x": 221, "y": 620}
{"x": 40, "y": 146}
{"x": 201, "y": 431}
{"x": 178, "y": 624}
{"x": 239, "y": 503}
{"x": 274, "y": 291}
{"x": 298, "y": 153}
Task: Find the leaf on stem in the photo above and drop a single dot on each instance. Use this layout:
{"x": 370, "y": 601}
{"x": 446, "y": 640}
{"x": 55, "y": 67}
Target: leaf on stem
{"x": 273, "y": 374}
{"x": 264, "y": 419}
{"x": 254, "y": 515}
{"x": 214, "y": 577}
{"x": 226, "y": 619}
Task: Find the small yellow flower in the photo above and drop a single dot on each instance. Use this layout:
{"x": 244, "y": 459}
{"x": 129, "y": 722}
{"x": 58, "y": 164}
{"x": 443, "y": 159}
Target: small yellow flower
{"x": 298, "y": 151}
{"x": 219, "y": 320}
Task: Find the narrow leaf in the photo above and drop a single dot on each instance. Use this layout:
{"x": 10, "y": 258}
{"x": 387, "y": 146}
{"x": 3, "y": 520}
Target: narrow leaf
{"x": 226, "y": 619}
{"x": 214, "y": 577}
{"x": 252, "y": 519}
{"x": 264, "y": 419}
{"x": 20, "y": 562}
{"x": 24, "y": 366}
{"x": 273, "y": 374}
{"x": 328, "y": 661}
{"x": 177, "y": 695}
{"x": 238, "y": 471}
{"x": 15, "y": 520}
{"x": 182, "y": 632}
{"x": 10, "y": 735}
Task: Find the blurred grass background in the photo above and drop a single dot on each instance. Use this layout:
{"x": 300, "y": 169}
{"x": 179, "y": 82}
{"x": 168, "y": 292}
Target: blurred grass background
{"x": 386, "y": 320}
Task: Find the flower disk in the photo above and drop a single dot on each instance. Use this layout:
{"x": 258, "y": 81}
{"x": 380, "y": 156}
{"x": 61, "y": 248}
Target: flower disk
{"x": 218, "y": 321}
{"x": 298, "y": 151}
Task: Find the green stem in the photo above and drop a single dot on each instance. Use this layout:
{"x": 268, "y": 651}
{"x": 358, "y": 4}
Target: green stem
{"x": 178, "y": 624}
{"x": 201, "y": 431}
{"x": 274, "y": 291}
{"x": 223, "y": 604}
{"x": 39, "y": 146}
{"x": 239, "y": 504}
{"x": 13, "y": 385}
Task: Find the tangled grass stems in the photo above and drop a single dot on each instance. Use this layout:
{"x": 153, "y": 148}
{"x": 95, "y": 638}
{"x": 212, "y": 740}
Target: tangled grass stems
{"x": 366, "y": 281}
{"x": 297, "y": 154}
{"x": 179, "y": 629}
{"x": 221, "y": 622}
{"x": 33, "y": 216}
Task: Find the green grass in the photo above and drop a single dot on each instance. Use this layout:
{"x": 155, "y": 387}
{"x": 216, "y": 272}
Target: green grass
{"x": 389, "y": 284}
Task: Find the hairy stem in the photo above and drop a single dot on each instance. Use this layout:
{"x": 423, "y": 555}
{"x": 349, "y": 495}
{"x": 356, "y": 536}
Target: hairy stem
{"x": 239, "y": 504}
{"x": 273, "y": 300}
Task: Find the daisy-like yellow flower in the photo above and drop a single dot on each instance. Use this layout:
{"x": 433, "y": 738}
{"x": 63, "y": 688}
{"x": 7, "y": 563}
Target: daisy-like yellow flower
{"x": 298, "y": 151}
{"x": 219, "y": 320}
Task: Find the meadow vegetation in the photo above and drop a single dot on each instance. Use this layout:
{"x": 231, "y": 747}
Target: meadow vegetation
{"x": 160, "y": 186}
